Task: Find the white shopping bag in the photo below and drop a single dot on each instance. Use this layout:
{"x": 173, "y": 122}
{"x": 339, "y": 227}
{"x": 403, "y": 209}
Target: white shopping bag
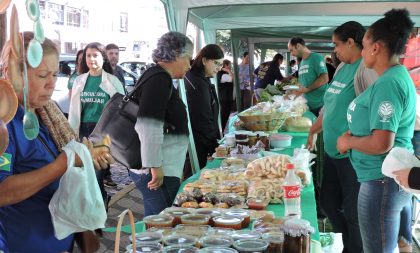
{"x": 77, "y": 205}
{"x": 397, "y": 159}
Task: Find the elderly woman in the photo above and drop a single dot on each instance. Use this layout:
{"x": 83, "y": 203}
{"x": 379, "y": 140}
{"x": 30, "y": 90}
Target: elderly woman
{"x": 380, "y": 118}
{"x": 162, "y": 124}
{"x": 203, "y": 103}
{"x": 29, "y": 181}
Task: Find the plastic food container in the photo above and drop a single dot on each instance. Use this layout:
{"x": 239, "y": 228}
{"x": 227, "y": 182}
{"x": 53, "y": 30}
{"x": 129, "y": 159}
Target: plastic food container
{"x": 150, "y": 248}
{"x": 217, "y": 250}
{"x": 222, "y": 231}
{"x": 193, "y": 230}
{"x": 216, "y": 241}
{"x": 162, "y": 230}
{"x": 160, "y": 220}
{"x": 228, "y": 222}
{"x": 252, "y": 139}
{"x": 180, "y": 240}
{"x": 280, "y": 140}
{"x": 275, "y": 240}
{"x": 180, "y": 249}
{"x": 177, "y": 212}
{"x": 148, "y": 237}
{"x": 195, "y": 219}
{"x": 254, "y": 245}
{"x": 245, "y": 234}
{"x": 212, "y": 212}
{"x": 257, "y": 204}
{"x": 242, "y": 213}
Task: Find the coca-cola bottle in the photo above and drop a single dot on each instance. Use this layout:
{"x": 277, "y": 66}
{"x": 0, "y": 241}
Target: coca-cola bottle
{"x": 291, "y": 192}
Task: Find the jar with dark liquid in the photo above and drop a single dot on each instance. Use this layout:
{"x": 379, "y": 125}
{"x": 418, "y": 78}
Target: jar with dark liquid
{"x": 297, "y": 236}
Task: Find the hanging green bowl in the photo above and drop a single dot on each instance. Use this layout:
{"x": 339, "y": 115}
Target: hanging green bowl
{"x": 34, "y": 53}
{"x": 39, "y": 31}
{"x": 32, "y": 8}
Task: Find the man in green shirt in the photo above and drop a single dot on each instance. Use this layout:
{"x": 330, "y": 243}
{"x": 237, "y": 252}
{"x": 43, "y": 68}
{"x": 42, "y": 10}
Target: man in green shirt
{"x": 313, "y": 74}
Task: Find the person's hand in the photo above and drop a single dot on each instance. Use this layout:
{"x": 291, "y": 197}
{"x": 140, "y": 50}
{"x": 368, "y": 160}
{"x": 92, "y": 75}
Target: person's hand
{"x": 311, "y": 141}
{"x": 401, "y": 176}
{"x": 157, "y": 178}
{"x": 343, "y": 142}
{"x": 100, "y": 152}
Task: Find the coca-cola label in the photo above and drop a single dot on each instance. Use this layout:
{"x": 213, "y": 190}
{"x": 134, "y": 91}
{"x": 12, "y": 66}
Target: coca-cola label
{"x": 291, "y": 192}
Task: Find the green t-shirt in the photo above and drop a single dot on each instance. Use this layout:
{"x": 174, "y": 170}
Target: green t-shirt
{"x": 93, "y": 99}
{"x": 388, "y": 104}
{"x": 71, "y": 80}
{"x": 309, "y": 70}
{"x": 337, "y": 98}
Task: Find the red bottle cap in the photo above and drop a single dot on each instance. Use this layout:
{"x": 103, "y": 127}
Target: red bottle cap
{"x": 290, "y": 166}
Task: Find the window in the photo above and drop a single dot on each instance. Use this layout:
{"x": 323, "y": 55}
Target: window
{"x": 56, "y": 13}
{"x": 70, "y": 48}
{"x": 73, "y": 16}
{"x": 85, "y": 19}
{"x": 124, "y": 22}
{"x": 42, "y": 9}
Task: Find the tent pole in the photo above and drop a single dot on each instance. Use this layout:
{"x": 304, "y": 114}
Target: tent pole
{"x": 235, "y": 51}
{"x": 251, "y": 48}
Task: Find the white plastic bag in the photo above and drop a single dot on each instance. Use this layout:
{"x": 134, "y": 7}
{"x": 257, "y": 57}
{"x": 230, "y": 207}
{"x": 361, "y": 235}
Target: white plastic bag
{"x": 77, "y": 205}
{"x": 397, "y": 159}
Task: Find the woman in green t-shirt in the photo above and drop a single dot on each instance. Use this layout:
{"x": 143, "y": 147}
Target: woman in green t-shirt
{"x": 380, "y": 118}
{"x": 339, "y": 190}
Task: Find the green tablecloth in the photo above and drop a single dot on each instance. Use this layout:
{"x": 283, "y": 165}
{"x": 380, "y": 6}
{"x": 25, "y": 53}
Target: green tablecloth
{"x": 308, "y": 205}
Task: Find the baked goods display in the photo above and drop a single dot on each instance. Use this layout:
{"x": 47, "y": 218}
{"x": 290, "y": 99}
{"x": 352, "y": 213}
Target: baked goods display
{"x": 268, "y": 167}
{"x": 270, "y": 189}
{"x": 239, "y": 187}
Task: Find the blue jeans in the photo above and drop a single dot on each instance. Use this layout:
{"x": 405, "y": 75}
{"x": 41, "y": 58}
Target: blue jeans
{"x": 380, "y": 204}
{"x": 156, "y": 200}
{"x": 405, "y": 224}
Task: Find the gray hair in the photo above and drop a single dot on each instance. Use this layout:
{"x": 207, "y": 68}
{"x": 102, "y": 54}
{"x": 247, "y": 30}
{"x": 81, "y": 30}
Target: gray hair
{"x": 170, "y": 46}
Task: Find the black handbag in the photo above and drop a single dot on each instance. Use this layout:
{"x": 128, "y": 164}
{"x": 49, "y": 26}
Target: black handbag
{"x": 118, "y": 119}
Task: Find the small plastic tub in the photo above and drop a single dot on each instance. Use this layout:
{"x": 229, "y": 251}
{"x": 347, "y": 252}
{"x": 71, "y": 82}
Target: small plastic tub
{"x": 147, "y": 237}
{"x": 254, "y": 246}
{"x": 228, "y": 222}
{"x": 216, "y": 241}
{"x": 195, "y": 219}
{"x": 212, "y": 212}
{"x": 222, "y": 231}
{"x": 160, "y": 220}
{"x": 150, "y": 248}
{"x": 177, "y": 212}
{"x": 180, "y": 240}
{"x": 257, "y": 204}
{"x": 217, "y": 250}
{"x": 275, "y": 240}
{"x": 180, "y": 249}
{"x": 245, "y": 234}
{"x": 242, "y": 213}
{"x": 280, "y": 140}
{"x": 161, "y": 230}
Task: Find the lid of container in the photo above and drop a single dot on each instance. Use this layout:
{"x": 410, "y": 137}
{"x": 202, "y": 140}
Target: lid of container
{"x": 217, "y": 250}
{"x": 180, "y": 249}
{"x": 228, "y": 220}
{"x": 158, "y": 219}
{"x": 290, "y": 166}
{"x": 147, "y": 237}
{"x": 297, "y": 227}
{"x": 280, "y": 137}
{"x": 273, "y": 237}
{"x": 195, "y": 218}
{"x": 209, "y": 211}
{"x": 246, "y": 234}
{"x": 250, "y": 245}
{"x": 237, "y": 212}
{"x": 162, "y": 230}
{"x": 152, "y": 247}
{"x": 222, "y": 231}
{"x": 177, "y": 211}
{"x": 216, "y": 240}
{"x": 251, "y": 134}
{"x": 179, "y": 239}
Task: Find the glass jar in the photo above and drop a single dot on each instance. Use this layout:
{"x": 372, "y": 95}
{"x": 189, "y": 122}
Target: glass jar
{"x": 297, "y": 235}
{"x": 275, "y": 240}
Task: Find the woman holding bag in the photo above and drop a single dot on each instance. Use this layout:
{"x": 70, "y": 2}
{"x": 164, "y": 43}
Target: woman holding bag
{"x": 162, "y": 124}
{"x": 31, "y": 174}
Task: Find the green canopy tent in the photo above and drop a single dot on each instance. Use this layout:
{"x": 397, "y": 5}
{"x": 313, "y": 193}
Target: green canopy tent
{"x": 273, "y": 21}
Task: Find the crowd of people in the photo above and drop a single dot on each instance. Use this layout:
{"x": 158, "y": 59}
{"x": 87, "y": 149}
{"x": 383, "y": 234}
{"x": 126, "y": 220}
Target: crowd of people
{"x": 364, "y": 108}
